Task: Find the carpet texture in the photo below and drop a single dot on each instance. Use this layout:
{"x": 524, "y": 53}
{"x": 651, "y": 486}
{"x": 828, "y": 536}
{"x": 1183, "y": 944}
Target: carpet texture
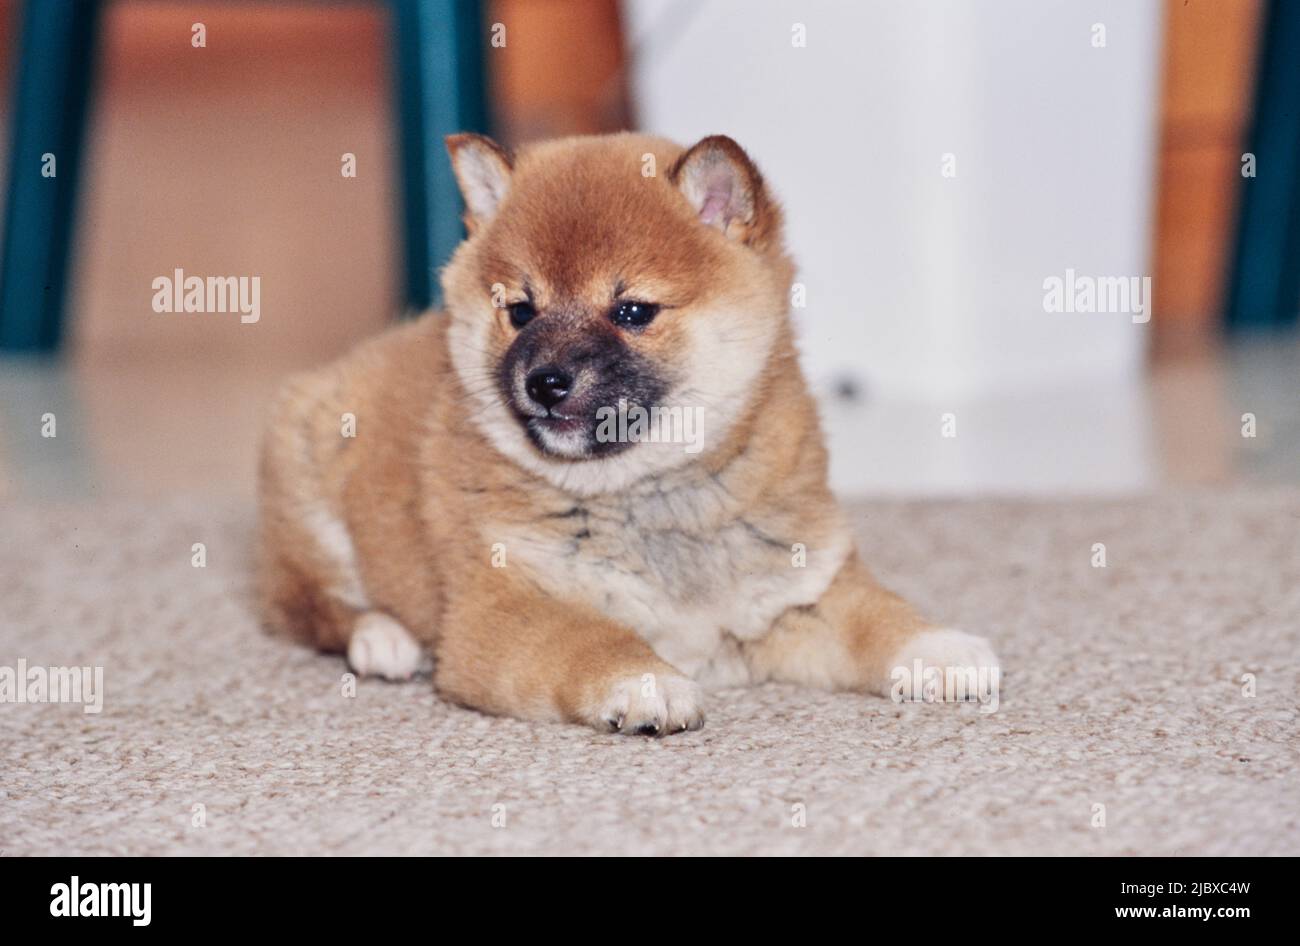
{"x": 1122, "y": 688}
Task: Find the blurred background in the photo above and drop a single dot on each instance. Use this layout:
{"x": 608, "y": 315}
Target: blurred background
{"x": 939, "y": 163}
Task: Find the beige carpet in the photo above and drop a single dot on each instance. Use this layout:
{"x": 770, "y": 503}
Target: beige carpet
{"x": 1122, "y": 688}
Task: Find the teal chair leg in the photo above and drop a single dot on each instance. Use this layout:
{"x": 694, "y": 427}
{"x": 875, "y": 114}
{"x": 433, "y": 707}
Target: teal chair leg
{"x": 1265, "y": 284}
{"x": 52, "y": 90}
{"x": 441, "y": 89}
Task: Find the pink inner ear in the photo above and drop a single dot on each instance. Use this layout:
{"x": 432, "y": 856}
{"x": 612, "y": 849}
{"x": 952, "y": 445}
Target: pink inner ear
{"x": 717, "y": 196}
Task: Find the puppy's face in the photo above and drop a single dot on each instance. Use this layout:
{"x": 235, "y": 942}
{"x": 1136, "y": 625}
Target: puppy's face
{"x": 610, "y": 279}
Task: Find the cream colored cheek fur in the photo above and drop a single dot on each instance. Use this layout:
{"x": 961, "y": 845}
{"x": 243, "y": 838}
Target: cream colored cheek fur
{"x": 727, "y": 354}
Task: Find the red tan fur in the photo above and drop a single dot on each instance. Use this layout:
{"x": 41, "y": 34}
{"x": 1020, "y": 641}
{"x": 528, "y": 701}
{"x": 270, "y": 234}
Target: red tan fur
{"x": 552, "y": 585}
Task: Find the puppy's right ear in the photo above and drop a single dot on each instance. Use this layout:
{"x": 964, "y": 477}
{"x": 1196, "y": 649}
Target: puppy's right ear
{"x": 483, "y": 172}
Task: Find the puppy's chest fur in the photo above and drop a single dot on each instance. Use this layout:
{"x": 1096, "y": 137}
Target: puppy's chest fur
{"x": 695, "y": 576}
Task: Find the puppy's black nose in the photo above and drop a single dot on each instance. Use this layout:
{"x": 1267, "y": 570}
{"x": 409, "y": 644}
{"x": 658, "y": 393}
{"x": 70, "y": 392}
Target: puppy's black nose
{"x": 548, "y": 386}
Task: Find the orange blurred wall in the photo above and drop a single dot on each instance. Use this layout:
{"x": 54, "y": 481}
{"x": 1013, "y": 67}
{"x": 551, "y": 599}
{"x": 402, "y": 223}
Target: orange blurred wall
{"x": 1209, "y": 69}
{"x": 226, "y": 160}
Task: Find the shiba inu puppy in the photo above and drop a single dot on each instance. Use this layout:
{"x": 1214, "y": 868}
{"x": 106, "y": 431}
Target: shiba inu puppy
{"x": 466, "y": 484}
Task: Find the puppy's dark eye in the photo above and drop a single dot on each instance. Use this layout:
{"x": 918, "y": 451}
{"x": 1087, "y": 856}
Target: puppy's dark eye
{"x": 521, "y": 313}
{"x": 634, "y": 314}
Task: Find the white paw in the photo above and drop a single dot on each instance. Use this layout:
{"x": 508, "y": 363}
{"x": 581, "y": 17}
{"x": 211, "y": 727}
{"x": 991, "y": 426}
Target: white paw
{"x": 381, "y": 647}
{"x": 951, "y": 663}
{"x": 651, "y": 705}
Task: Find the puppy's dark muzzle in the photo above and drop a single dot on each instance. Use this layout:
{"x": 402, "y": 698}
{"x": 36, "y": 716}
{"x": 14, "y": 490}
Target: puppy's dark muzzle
{"x": 562, "y": 369}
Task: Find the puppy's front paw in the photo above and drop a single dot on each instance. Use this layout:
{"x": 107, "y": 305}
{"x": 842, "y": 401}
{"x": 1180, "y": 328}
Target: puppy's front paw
{"x": 382, "y": 647}
{"x": 946, "y": 659}
{"x": 650, "y": 705}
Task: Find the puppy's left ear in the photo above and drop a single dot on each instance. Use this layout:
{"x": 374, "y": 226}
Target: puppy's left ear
{"x": 483, "y": 170}
{"x": 723, "y": 185}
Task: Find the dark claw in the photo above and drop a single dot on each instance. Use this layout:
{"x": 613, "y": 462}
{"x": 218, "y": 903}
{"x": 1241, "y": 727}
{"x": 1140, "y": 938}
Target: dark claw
{"x": 648, "y": 729}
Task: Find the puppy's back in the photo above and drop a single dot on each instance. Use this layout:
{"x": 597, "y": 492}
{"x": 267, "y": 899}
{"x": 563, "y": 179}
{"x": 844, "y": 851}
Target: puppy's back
{"x": 353, "y": 421}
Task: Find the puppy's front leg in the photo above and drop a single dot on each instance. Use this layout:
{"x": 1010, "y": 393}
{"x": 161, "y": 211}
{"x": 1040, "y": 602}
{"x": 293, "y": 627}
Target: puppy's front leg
{"x": 508, "y": 648}
{"x": 856, "y": 636}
